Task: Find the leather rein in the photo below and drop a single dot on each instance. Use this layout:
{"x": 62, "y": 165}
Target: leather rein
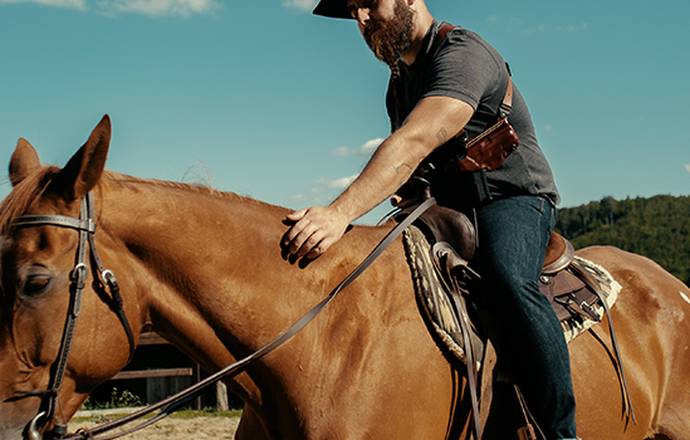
{"x": 86, "y": 227}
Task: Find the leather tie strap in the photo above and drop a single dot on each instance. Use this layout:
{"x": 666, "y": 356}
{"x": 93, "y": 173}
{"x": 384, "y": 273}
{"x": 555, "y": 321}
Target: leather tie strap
{"x": 628, "y": 409}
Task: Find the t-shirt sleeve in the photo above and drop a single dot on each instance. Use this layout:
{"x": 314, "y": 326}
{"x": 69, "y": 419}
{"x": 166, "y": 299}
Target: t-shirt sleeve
{"x": 462, "y": 69}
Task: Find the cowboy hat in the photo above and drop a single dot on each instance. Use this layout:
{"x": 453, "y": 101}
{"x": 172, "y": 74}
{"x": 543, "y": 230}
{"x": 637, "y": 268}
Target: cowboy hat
{"x": 332, "y": 8}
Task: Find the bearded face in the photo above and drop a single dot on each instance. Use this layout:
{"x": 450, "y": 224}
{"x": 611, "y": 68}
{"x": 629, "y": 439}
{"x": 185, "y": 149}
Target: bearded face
{"x": 391, "y": 38}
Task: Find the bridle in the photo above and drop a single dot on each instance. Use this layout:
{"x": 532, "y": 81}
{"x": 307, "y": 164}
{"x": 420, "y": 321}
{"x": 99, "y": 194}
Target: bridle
{"x": 86, "y": 226}
{"x": 104, "y": 278}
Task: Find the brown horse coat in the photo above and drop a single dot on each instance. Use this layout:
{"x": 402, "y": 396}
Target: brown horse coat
{"x": 204, "y": 269}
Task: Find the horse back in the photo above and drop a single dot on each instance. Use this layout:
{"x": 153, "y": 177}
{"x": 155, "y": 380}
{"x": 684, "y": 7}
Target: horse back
{"x": 653, "y": 332}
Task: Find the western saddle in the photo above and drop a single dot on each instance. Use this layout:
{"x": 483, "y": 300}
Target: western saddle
{"x": 573, "y": 294}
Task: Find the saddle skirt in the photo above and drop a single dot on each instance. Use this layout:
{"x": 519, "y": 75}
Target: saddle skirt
{"x": 574, "y": 303}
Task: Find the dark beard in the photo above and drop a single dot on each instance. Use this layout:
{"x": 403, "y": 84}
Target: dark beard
{"x": 389, "y": 40}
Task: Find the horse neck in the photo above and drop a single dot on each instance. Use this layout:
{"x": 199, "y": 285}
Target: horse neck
{"x": 210, "y": 273}
{"x": 210, "y": 277}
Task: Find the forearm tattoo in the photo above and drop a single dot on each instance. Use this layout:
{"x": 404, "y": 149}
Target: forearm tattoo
{"x": 442, "y": 135}
{"x": 403, "y": 168}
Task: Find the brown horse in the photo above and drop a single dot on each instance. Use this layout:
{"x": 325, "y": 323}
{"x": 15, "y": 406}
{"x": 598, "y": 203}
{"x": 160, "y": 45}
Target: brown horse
{"x": 204, "y": 269}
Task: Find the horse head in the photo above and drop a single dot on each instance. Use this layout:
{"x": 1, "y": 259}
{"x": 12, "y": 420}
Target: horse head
{"x": 38, "y": 281}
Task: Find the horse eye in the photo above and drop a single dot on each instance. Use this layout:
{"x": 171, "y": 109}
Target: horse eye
{"x": 36, "y": 284}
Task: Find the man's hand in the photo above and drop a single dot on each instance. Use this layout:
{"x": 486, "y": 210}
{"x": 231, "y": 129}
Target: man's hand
{"x": 313, "y": 231}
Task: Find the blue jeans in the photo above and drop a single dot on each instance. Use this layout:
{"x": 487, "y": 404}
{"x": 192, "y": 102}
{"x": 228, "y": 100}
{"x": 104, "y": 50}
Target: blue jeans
{"x": 513, "y": 234}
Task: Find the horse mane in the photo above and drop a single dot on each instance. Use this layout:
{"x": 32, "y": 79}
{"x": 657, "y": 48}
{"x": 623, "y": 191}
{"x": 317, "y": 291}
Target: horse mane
{"x": 124, "y": 180}
{"x": 34, "y": 186}
{"x": 23, "y": 195}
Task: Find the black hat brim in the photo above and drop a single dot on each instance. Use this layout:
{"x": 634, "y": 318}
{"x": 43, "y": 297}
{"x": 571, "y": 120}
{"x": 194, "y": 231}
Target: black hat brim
{"x": 332, "y": 8}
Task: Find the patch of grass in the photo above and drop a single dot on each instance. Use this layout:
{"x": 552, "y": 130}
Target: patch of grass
{"x": 118, "y": 399}
{"x": 206, "y": 412}
{"x": 184, "y": 414}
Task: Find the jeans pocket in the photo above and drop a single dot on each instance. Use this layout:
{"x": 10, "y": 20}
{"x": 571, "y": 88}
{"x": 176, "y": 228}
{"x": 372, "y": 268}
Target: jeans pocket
{"x": 549, "y": 215}
{"x": 542, "y": 204}
{"x": 536, "y": 202}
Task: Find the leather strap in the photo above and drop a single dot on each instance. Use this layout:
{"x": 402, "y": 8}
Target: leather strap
{"x": 108, "y": 280}
{"x": 472, "y": 380}
{"x": 56, "y": 220}
{"x": 178, "y": 400}
{"x": 526, "y": 432}
{"x": 443, "y": 253}
{"x": 628, "y": 409}
{"x": 507, "y": 104}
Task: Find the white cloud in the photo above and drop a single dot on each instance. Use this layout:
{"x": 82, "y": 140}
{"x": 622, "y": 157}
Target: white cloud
{"x": 363, "y": 150}
{"x": 157, "y": 7}
{"x": 341, "y": 151}
{"x": 71, "y": 4}
{"x": 343, "y": 182}
{"x": 154, "y": 8}
{"x": 325, "y": 187}
{"x": 324, "y": 190}
{"x": 516, "y": 24}
{"x": 304, "y": 5}
{"x": 370, "y": 145}
{"x": 687, "y": 167}
{"x": 537, "y": 29}
{"x": 573, "y": 28}
{"x": 565, "y": 29}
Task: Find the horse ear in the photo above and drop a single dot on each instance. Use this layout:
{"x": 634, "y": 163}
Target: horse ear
{"x": 85, "y": 168}
{"x": 24, "y": 161}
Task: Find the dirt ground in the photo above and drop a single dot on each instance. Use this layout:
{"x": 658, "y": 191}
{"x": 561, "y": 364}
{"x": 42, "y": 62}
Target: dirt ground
{"x": 172, "y": 428}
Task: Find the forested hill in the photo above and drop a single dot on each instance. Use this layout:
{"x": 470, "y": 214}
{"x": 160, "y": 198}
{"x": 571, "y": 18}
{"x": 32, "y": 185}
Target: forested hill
{"x": 657, "y": 227}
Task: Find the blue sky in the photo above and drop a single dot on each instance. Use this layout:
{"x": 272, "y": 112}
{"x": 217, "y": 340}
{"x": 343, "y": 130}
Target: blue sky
{"x": 263, "y": 99}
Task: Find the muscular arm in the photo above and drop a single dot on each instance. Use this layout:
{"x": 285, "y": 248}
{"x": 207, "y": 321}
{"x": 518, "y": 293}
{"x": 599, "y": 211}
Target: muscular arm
{"x": 432, "y": 122}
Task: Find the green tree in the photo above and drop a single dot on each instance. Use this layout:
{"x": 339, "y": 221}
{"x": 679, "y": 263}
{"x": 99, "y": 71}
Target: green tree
{"x": 657, "y": 227}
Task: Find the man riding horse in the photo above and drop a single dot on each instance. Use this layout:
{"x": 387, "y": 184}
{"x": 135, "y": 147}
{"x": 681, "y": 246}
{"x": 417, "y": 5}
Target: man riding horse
{"x": 442, "y": 82}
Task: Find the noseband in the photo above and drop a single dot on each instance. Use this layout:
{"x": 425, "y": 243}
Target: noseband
{"x": 85, "y": 225}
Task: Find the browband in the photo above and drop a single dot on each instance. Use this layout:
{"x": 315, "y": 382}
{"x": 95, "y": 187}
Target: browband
{"x": 87, "y": 225}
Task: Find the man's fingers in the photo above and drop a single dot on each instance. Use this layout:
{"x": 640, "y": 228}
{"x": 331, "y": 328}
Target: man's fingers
{"x": 301, "y": 238}
{"x": 312, "y": 231}
{"x": 319, "y": 248}
{"x": 309, "y": 244}
{"x": 295, "y": 230}
{"x": 297, "y": 215}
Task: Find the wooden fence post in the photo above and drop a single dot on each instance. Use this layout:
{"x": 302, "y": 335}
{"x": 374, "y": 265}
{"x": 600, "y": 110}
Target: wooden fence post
{"x": 197, "y": 377}
{"x": 222, "y": 397}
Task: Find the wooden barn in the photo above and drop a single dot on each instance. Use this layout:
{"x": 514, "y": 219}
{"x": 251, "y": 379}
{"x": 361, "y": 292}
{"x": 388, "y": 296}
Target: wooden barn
{"x": 157, "y": 371}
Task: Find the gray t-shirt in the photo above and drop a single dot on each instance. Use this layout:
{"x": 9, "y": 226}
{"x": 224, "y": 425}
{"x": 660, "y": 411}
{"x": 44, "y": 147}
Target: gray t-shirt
{"x": 465, "y": 67}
